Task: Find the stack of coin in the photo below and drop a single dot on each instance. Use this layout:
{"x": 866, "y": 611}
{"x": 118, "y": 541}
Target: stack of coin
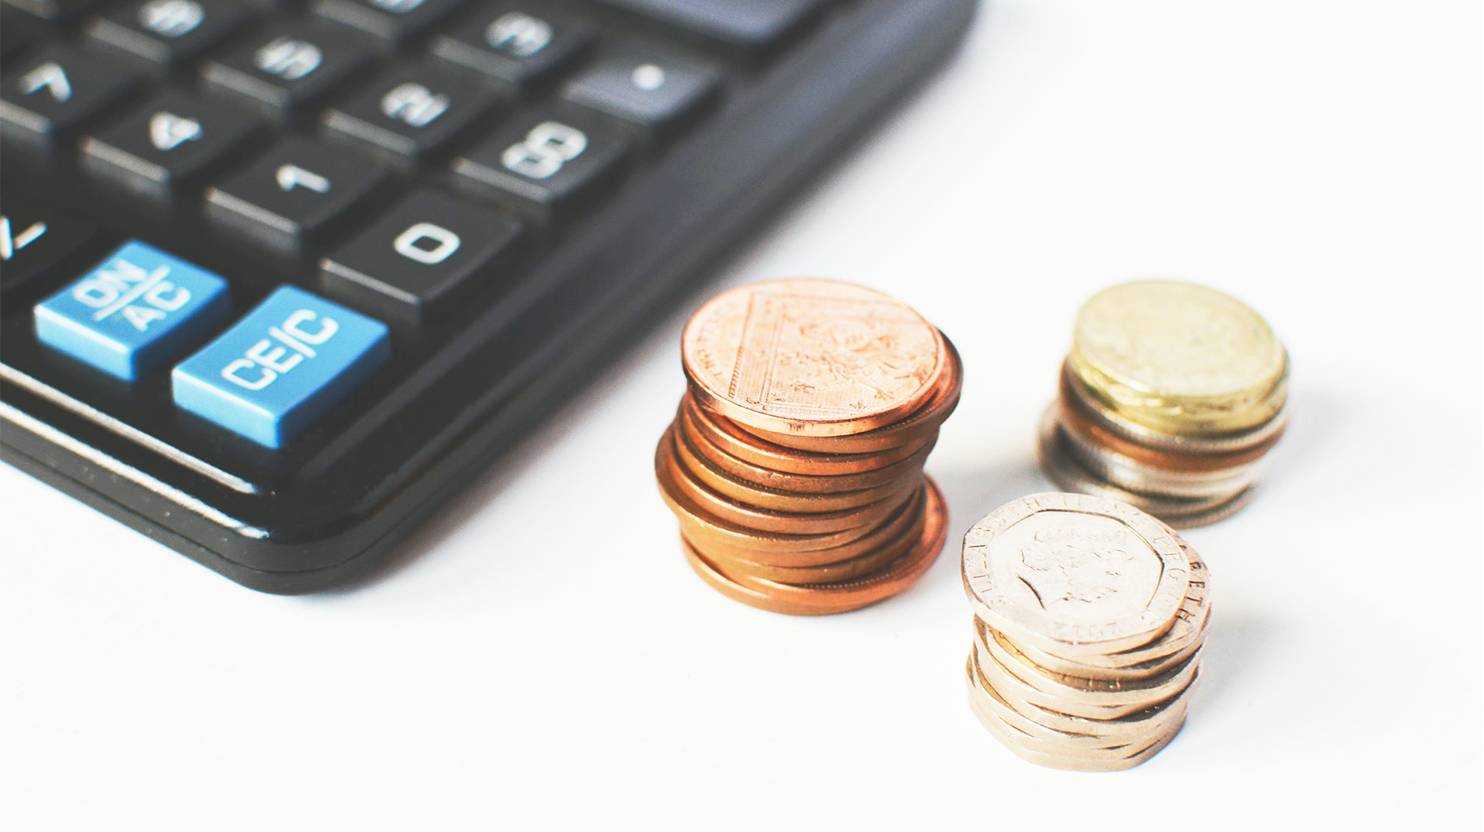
{"x": 794, "y": 464}
{"x": 1089, "y": 618}
{"x": 1170, "y": 398}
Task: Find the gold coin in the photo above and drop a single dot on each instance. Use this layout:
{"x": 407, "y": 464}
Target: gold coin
{"x": 1179, "y": 357}
{"x": 1075, "y": 574}
{"x": 811, "y": 357}
{"x": 1100, "y": 426}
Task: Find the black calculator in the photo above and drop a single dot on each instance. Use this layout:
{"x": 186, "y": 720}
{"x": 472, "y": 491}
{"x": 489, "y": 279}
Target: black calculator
{"x": 280, "y": 277}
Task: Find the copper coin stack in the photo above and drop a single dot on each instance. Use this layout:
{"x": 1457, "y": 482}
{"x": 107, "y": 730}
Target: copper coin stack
{"x": 794, "y": 463}
{"x": 1089, "y": 620}
{"x": 1170, "y": 399}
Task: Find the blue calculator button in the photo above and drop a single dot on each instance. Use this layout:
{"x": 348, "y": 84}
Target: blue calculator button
{"x": 134, "y": 311}
{"x": 284, "y": 364}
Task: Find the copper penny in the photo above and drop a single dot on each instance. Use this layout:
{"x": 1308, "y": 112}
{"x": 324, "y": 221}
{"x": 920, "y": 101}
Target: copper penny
{"x": 874, "y": 538}
{"x": 810, "y": 357}
{"x": 785, "y": 481}
{"x": 828, "y": 598}
{"x": 675, "y": 478}
{"x": 776, "y": 499}
{"x": 728, "y": 436}
{"x": 924, "y": 422}
{"x": 872, "y": 561}
{"x": 699, "y": 524}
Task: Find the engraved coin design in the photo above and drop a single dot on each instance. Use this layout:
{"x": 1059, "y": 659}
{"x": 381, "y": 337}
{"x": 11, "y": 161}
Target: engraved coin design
{"x": 1075, "y": 572}
{"x": 1179, "y": 356}
{"x": 811, "y": 357}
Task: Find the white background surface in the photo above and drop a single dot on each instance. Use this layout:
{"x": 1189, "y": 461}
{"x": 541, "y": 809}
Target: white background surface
{"x": 542, "y": 656}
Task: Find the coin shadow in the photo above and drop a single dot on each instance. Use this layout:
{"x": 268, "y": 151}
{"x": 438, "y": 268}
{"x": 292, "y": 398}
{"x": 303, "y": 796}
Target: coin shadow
{"x": 973, "y": 492}
{"x": 1312, "y": 429}
{"x": 1234, "y": 645}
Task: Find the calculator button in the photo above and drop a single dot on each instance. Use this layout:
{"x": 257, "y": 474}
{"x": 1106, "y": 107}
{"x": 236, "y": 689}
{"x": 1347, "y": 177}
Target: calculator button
{"x": 169, "y": 32}
{"x": 644, "y": 88}
{"x": 289, "y": 66}
{"x": 392, "y": 20}
{"x": 422, "y": 255}
{"x": 169, "y": 144}
{"x": 56, "y": 91}
{"x": 412, "y": 111}
{"x": 133, "y": 312}
{"x": 542, "y": 160}
{"x": 273, "y": 372}
{"x": 515, "y": 43}
{"x": 751, "y": 24}
{"x": 297, "y": 190}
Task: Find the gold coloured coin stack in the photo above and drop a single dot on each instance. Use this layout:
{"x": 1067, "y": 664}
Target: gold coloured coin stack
{"x": 794, "y": 464}
{"x": 1089, "y": 618}
{"x": 1171, "y": 397}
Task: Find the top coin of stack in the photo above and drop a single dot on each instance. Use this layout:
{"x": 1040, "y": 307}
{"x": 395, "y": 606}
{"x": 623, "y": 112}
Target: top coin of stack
{"x": 1090, "y": 616}
{"x": 794, "y": 464}
{"x": 1169, "y": 400}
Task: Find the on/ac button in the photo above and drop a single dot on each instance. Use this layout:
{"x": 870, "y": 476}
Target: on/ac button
{"x": 136, "y": 310}
{"x": 282, "y": 366}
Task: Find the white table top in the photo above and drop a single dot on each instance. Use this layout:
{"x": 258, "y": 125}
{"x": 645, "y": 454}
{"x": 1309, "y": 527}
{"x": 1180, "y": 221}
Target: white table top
{"x": 542, "y": 655}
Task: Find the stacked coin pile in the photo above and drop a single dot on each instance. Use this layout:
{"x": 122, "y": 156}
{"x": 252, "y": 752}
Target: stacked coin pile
{"x": 1089, "y": 618}
{"x": 794, "y": 464}
{"x": 1170, "y": 398}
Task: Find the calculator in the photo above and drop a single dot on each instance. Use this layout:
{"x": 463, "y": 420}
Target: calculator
{"x": 279, "y": 278}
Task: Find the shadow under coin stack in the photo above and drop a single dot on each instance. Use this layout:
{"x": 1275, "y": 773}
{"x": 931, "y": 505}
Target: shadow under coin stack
{"x": 1089, "y": 618}
{"x": 1172, "y": 395}
{"x": 794, "y": 464}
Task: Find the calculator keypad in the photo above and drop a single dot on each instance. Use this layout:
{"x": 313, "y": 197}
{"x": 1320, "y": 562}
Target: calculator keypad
{"x": 405, "y": 161}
